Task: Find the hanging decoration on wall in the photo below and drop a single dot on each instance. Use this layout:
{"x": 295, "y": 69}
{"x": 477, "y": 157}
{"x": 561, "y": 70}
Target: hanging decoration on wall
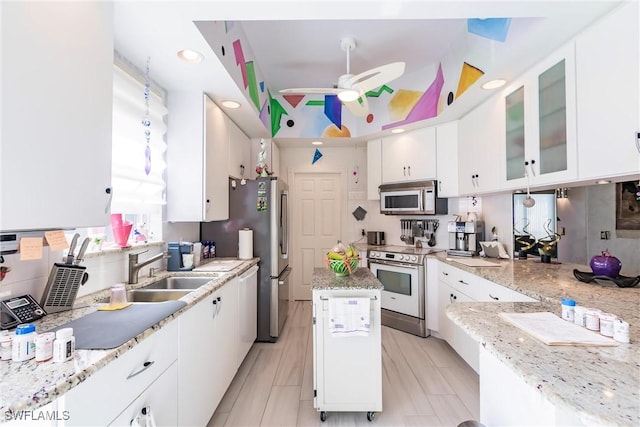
{"x": 356, "y": 174}
{"x": 146, "y": 122}
{"x": 262, "y": 168}
{"x": 316, "y": 156}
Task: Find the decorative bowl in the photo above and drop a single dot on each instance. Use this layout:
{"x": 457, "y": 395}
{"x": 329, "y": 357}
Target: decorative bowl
{"x": 343, "y": 267}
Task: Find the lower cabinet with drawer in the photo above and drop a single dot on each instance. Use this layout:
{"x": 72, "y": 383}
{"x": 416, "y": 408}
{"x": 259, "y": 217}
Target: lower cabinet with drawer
{"x": 103, "y": 397}
{"x": 456, "y": 285}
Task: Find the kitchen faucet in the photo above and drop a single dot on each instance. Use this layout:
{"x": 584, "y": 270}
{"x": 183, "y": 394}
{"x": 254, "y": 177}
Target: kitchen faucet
{"x": 134, "y": 266}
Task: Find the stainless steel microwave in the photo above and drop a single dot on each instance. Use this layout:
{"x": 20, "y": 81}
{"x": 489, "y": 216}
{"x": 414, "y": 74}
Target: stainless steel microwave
{"x": 411, "y": 198}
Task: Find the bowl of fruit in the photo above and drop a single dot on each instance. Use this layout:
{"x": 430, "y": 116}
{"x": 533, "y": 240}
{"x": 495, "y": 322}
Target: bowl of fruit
{"x": 343, "y": 260}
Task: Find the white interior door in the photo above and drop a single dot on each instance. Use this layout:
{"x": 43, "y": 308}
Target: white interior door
{"x": 316, "y": 201}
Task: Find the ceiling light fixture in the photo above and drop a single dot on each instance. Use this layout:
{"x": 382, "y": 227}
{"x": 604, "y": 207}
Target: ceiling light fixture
{"x": 190, "y": 56}
{"x": 316, "y": 143}
{"x": 348, "y": 95}
{"x": 494, "y": 84}
{"x": 603, "y": 181}
{"x": 230, "y": 104}
{"x": 397, "y": 130}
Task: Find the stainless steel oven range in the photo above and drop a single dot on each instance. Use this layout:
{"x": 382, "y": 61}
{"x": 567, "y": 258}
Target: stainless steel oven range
{"x": 403, "y": 275}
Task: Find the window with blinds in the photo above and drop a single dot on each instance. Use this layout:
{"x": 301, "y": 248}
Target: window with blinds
{"x": 138, "y": 162}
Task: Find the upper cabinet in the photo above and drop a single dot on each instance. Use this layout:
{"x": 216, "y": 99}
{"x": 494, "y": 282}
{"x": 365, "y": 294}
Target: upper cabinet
{"x": 480, "y": 138}
{"x": 608, "y": 75}
{"x": 239, "y": 152}
{"x": 57, "y": 92}
{"x": 540, "y": 123}
{"x": 409, "y": 156}
{"x": 197, "y": 159}
{"x": 447, "y": 159}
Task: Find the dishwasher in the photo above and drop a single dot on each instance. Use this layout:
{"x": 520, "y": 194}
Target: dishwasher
{"x": 248, "y": 302}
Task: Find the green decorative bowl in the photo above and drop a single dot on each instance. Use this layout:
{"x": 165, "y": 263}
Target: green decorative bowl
{"x": 339, "y": 266}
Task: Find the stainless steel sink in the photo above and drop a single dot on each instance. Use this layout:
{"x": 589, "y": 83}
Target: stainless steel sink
{"x": 155, "y": 295}
{"x": 179, "y": 282}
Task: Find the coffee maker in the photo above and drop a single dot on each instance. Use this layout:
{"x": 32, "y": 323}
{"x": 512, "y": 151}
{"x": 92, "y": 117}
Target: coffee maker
{"x": 465, "y": 237}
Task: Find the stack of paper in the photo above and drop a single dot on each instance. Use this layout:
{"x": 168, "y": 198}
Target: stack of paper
{"x": 552, "y": 330}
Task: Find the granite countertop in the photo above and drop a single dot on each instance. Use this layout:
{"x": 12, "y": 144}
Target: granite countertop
{"x": 29, "y": 385}
{"x": 599, "y": 384}
{"x": 361, "y": 279}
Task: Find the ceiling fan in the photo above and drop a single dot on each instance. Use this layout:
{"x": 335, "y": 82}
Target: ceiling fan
{"x": 351, "y": 88}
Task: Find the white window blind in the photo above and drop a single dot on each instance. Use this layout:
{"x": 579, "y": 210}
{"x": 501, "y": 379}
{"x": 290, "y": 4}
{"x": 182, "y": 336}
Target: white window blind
{"x": 135, "y": 191}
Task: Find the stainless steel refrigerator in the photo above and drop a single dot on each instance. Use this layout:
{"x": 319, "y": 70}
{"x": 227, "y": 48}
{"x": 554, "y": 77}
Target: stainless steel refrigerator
{"x": 261, "y": 205}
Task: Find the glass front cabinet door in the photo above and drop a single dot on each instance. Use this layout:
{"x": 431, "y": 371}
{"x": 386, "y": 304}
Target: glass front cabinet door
{"x": 540, "y": 123}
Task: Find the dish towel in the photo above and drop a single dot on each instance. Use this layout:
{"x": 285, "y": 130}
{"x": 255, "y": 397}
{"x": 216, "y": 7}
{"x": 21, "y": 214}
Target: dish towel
{"x": 349, "y": 317}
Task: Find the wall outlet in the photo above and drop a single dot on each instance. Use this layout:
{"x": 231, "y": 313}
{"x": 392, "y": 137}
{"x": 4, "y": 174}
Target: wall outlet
{"x": 363, "y": 233}
{"x": 605, "y": 235}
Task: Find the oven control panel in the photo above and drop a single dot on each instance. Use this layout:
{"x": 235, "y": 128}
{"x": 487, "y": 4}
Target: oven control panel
{"x": 394, "y": 256}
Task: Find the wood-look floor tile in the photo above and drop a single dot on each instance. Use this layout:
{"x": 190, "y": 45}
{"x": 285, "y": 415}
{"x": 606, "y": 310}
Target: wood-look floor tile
{"x": 282, "y": 406}
{"x": 306, "y": 391}
{"x": 450, "y": 409}
{"x": 218, "y": 419}
{"x": 231, "y": 395}
{"x": 292, "y": 363}
{"x": 250, "y": 404}
{"x": 421, "y": 421}
{"x": 441, "y": 353}
{"x": 465, "y": 383}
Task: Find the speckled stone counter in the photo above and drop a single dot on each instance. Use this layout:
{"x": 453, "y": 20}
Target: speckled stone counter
{"x": 324, "y": 279}
{"x": 599, "y": 384}
{"x": 29, "y": 385}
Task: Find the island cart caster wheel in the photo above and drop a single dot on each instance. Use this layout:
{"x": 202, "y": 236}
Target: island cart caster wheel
{"x": 371, "y": 416}
{"x": 323, "y": 416}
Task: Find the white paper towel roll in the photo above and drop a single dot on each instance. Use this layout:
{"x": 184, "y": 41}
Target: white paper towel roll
{"x": 245, "y": 243}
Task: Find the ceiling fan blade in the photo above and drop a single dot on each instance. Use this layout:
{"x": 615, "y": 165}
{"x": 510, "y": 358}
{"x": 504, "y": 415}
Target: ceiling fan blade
{"x": 357, "y": 108}
{"x": 376, "y": 77}
{"x": 311, "y": 90}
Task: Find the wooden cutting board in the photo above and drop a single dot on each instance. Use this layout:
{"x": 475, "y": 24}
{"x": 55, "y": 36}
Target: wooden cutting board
{"x": 102, "y": 330}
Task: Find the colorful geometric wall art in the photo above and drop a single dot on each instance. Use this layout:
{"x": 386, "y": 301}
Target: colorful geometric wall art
{"x": 402, "y": 103}
{"x": 332, "y": 131}
{"x": 377, "y": 93}
{"x": 316, "y": 156}
{"x": 277, "y": 111}
{"x": 490, "y": 28}
{"x": 239, "y": 55}
{"x": 427, "y": 105}
{"x": 333, "y": 109}
{"x": 253, "y": 84}
{"x": 293, "y": 100}
{"x": 468, "y": 76}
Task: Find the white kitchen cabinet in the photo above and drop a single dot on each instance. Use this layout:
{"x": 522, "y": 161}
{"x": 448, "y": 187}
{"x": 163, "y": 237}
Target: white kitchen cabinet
{"x": 197, "y": 159}
{"x": 480, "y": 137}
{"x": 540, "y": 123}
{"x": 57, "y": 94}
{"x": 104, "y": 395}
{"x": 239, "y": 146}
{"x": 456, "y": 285}
{"x": 608, "y": 84}
{"x": 506, "y": 400}
{"x": 447, "y": 159}
{"x": 247, "y": 311}
{"x": 347, "y": 370}
{"x": 374, "y": 168}
{"x": 160, "y": 398}
{"x": 208, "y": 348}
{"x": 409, "y": 156}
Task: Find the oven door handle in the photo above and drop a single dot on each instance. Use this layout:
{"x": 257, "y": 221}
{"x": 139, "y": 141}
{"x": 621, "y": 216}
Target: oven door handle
{"x": 395, "y": 264}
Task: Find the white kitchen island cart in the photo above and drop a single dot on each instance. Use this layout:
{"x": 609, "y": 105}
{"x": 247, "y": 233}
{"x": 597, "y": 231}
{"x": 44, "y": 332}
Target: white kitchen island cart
{"x": 347, "y": 368}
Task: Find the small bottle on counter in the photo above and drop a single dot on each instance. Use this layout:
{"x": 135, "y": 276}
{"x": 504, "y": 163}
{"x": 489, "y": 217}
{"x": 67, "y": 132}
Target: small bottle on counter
{"x": 205, "y": 249}
{"x": 5, "y": 345}
{"x": 606, "y": 324}
{"x": 24, "y": 346}
{"x": 568, "y": 309}
{"x": 621, "y": 331}
{"x": 44, "y": 346}
{"x": 212, "y": 250}
{"x": 592, "y": 319}
{"x": 64, "y": 345}
{"x": 578, "y": 315}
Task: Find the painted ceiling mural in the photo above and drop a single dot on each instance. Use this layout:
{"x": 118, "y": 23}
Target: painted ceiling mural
{"x": 408, "y": 99}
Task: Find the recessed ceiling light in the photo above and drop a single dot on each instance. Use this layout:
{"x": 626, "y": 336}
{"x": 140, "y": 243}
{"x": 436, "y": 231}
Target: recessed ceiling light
{"x": 494, "y": 84}
{"x": 316, "y": 143}
{"x": 190, "y": 56}
{"x": 398, "y": 130}
{"x": 230, "y": 104}
{"x": 603, "y": 181}
{"x": 348, "y": 95}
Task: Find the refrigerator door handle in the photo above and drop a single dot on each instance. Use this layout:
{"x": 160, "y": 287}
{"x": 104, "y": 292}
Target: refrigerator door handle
{"x": 284, "y": 224}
